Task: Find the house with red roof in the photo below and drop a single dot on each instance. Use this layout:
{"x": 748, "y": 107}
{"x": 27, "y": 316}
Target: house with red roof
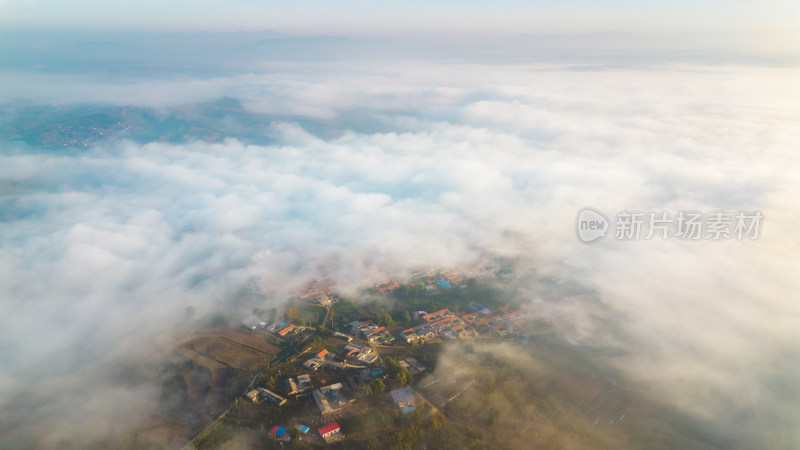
{"x": 326, "y": 431}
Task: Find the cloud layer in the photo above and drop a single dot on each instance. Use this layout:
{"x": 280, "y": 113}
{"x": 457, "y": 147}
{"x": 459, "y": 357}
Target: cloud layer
{"x": 103, "y": 249}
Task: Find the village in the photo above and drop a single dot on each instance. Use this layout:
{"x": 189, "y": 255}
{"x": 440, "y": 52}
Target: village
{"x": 345, "y": 363}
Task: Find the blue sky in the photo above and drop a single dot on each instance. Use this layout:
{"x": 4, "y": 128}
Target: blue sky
{"x": 780, "y": 18}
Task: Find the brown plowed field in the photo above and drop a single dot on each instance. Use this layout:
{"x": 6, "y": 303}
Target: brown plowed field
{"x": 240, "y": 349}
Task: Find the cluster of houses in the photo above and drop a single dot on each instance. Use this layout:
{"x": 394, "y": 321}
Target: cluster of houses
{"x": 316, "y": 287}
{"x": 281, "y": 329}
{"x": 447, "y": 325}
{"x": 483, "y": 270}
{"x": 325, "y": 299}
{"x": 320, "y": 292}
{"x": 328, "y": 433}
{"x": 501, "y": 321}
{"x": 371, "y": 332}
{"x": 436, "y": 279}
{"x": 360, "y": 354}
{"x": 357, "y": 354}
{"x": 329, "y": 399}
{"x": 440, "y": 323}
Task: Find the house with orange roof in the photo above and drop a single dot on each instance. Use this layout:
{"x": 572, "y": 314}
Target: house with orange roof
{"x": 286, "y": 330}
{"x": 485, "y": 321}
{"x": 471, "y": 315}
{"x": 430, "y": 316}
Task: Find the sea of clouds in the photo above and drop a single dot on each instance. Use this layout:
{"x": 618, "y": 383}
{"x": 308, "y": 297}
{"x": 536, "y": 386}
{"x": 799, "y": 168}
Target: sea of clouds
{"x": 102, "y": 249}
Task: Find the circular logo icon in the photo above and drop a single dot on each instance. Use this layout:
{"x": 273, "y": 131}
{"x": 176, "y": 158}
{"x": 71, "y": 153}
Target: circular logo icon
{"x": 590, "y": 225}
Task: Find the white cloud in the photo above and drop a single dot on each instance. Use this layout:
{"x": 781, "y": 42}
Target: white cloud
{"x": 115, "y": 241}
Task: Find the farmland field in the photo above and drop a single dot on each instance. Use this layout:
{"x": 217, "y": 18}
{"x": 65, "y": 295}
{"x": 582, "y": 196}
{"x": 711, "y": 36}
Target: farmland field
{"x": 239, "y": 349}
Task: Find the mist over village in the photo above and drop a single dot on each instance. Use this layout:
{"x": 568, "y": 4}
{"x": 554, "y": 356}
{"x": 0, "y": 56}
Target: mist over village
{"x": 488, "y": 228}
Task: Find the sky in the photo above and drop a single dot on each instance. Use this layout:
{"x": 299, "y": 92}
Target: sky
{"x": 374, "y": 157}
{"x": 774, "y": 21}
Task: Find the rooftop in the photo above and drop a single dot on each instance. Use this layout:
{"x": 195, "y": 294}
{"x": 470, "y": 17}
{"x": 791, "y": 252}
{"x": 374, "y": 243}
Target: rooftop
{"x": 252, "y": 322}
{"x": 325, "y": 429}
{"x": 434, "y": 314}
{"x": 287, "y": 329}
{"x": 403, "y": 395}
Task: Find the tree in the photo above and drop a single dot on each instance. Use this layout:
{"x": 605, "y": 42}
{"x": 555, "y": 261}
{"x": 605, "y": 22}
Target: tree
{"x": 291, "y": 313}
{"x": 404, "y": 377}
{"x": 386, "y": 320}
{"x": 190, "y": 311}
{"x": 392, "y": 366}
{"x": 403, "y": 292}
{"x": 394, "y": 369}
{"x": 294, "y": 432}
{"x": 376, "y": 386}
